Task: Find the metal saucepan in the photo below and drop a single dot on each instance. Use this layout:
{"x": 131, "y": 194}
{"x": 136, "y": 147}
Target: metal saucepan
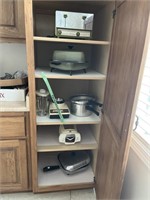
{"x": 84, "y": 105}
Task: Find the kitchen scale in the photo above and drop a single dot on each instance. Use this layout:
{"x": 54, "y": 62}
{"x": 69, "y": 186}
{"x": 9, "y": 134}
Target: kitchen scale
{"x": 69, "y": 134}
{"x": 53, "y": 112}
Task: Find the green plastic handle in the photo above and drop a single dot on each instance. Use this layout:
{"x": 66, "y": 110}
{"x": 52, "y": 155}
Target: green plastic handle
{"x": 52, "y": 95}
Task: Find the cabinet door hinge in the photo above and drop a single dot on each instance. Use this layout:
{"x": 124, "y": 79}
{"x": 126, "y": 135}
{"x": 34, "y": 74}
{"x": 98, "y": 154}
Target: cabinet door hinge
{"x": 114, "y": 13}
{"x": 102, "y": 111}
{"x": 94, "y": 179}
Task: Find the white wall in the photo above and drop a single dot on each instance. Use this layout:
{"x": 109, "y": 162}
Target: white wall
{"x": 12, "y": 58}
{"x": 137, "y": 179}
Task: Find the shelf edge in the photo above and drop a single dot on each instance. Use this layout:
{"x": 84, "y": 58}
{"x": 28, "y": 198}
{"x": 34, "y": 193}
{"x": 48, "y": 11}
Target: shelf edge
{"x": 66, "y": 148}
{"x": 47, "y": 39}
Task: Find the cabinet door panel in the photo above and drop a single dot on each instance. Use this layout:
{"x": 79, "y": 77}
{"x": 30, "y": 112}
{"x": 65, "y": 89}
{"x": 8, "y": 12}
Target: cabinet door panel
{"x": 128, "y": 39}
{"x": 7, "y": 20}
{"x": 12, "y": 19}
{"x": 13, "y": 165}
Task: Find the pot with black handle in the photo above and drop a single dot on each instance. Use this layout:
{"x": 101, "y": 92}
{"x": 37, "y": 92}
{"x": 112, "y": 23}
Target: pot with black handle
{"x": 84, "y": 105}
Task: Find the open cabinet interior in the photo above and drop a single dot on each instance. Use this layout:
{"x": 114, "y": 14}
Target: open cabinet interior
{"x": 45, "y": 131}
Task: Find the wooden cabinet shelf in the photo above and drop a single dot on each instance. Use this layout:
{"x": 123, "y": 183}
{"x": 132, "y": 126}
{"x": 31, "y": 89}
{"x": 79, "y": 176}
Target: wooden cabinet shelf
{"x": 58, "y": 177}
{"x": 47, "y": 140}
{"x": 92, "y": 119}
{"x": 62, "y": 40}
{"x": 89, "y": 75}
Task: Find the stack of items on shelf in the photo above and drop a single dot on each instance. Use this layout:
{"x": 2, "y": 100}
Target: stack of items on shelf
{"x": 71, "y": 162}
{"x": 13, "y": 87}
{"x": 82, "y": 105}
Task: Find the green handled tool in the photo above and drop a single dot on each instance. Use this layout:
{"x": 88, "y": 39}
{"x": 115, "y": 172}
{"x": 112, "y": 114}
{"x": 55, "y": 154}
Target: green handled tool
{"x": 52, "y": 95}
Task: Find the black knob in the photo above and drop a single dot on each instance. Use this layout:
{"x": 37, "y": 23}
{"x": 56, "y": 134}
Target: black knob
{"x": 77, "y": 34}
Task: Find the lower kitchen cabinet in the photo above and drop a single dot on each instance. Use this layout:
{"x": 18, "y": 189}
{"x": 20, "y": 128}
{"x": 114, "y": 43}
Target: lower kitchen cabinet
{"x": 14, "y": 152}
{"x": 13, "y": 167}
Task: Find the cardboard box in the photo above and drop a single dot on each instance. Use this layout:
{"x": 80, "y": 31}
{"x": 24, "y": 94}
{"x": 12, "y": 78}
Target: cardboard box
{"x": 13, "y": 94}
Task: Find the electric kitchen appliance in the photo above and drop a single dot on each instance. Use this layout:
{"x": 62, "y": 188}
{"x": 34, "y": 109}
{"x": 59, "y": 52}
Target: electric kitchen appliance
{"x": 42, "y": 102}
{"x": 64, "y": 109}
{"x": 69, "y": 134}
{"x": 68, "y": 61}
{"x": 73, "y": 24}
{"x": 84, "y": 105}
{"x": 71, "y": 162}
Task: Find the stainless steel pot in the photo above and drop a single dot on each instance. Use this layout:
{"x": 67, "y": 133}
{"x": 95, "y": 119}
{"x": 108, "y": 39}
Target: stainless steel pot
{"x": 83, "y": 105}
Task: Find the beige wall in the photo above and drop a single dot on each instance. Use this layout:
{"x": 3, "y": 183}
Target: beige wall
{"x": 12, "y": 58}
{"x": 137, "y": 179}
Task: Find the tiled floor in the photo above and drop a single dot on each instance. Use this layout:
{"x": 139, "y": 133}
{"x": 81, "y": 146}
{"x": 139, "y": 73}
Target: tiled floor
{"x": 85, "y": 194}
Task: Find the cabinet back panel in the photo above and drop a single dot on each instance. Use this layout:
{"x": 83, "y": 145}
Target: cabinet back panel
{"x": 75, "y": 6}
{"x": 97, "y": 88}
{"x": 44, "y": 51}
{"x": 103, "y": 23}
{"x": 65, "y": 88}
{"x": 103, "y": 19}
{"x": 44, "y": 16}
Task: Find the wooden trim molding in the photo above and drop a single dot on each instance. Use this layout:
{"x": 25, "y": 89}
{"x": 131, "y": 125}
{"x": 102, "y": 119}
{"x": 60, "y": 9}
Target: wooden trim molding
{"x": 12, "y": 40}
{"x": 141, "y": 148}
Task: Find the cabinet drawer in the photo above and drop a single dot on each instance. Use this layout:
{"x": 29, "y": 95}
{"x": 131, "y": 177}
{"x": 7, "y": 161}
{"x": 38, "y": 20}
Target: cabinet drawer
{"x": 12, "y": 126}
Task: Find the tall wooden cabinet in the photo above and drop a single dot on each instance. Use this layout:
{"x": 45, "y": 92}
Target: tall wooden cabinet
{"x": 106, "y": 137}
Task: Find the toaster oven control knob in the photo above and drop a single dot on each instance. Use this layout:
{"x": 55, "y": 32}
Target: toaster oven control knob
{"x": 59, "y": 32}
{"x": 78, "y": 34}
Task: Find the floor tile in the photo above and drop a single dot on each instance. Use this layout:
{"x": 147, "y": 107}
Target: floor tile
{"x": 65, "y": 195}
{"x": 84, "y": 194}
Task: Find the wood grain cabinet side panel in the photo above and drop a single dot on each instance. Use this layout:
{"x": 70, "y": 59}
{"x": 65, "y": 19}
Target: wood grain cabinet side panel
{"x": 13, "y": 166}
{"x": 12, "y": 19}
